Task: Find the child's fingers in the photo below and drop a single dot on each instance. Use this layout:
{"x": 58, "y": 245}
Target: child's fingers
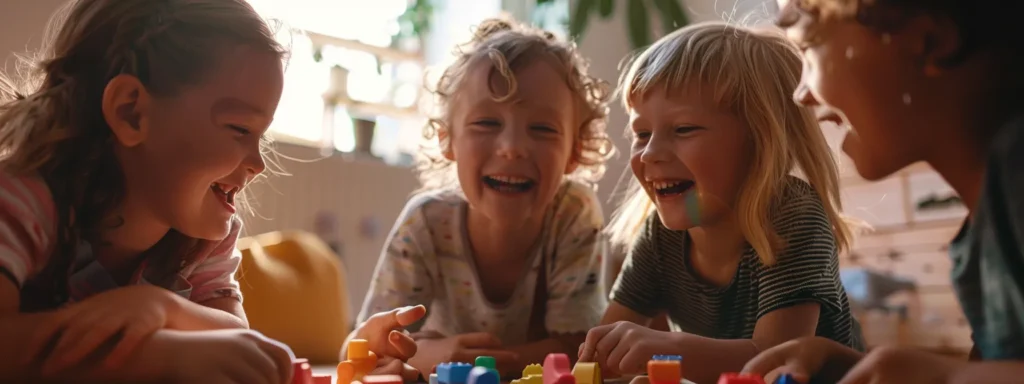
{"x": 402, "y": 346}
{"x": 79, "y": 340}
{"x": 45, "y": 335}
{"x": 390, "y": 366}
{"x": 281, "y": 355}
{"x": 130, "y": 339}
{"x": 640, "y": 380}
{"x": 409, "y": 315}
{"x": 593, "y": 337}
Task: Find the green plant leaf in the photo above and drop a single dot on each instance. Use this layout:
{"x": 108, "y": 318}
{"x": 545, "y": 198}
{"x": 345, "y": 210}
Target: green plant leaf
{"x": 606, "y": 8}
{"x": 672, "y": 15}
{"x": 639, "y": 24}
{"x": 580, "y": 18}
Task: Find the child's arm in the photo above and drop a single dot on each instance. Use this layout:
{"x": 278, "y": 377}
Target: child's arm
{"x": 19, "y": 330}
{"x": 399, "y": 291}
{"x": 216, "y": 301}
{"x": 575, "y": 295}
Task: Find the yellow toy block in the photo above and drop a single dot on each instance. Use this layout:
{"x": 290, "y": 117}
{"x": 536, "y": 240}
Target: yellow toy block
{"x": 533, "y": 370}
{"x": 587, "y": 373}
{"x": 361, "y": 360}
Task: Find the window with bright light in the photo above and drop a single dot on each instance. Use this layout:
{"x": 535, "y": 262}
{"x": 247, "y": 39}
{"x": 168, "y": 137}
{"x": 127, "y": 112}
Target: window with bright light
{"x": 356, "y": 39}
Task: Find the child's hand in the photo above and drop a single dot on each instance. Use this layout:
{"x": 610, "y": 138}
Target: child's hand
{"x": 801, "y": 358}
{"x": 626, "y": 347}
{"x": 130, "y": 313}
{"x": 902, "y": 365}
{"x": 235, "y": 356}
{"x": 383, "y": 333}
{"x": 465, "y": 348}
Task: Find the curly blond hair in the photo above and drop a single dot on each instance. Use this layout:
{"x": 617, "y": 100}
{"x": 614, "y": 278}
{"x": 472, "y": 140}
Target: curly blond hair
{"x": 509, "y": 45}
{"x": 51, "y": 123}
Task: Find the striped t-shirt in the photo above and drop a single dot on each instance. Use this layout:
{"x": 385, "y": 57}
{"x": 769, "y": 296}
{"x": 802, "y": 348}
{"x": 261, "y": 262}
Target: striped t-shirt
{"x": 28, "y": 231}
{"x": 657, "y": 278}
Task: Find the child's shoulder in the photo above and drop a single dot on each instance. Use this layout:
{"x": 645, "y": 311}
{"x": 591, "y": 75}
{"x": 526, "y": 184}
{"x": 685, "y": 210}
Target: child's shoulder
{"x": 26, "y": 194}
{"x": 433, "y": 203}
{"x": 798, "y": 199}
{"x": 575, "y": 196}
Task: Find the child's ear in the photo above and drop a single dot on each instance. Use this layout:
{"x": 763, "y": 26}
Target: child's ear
{"x": 125, "y": 100}
{"x": 443, "y": 140}
{"x": 935, "y": 40}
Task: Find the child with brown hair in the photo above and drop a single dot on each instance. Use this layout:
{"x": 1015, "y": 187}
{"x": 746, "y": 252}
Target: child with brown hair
{"x": 122, "y": 159}
{"x": 502, "y": 244}
{"x": 940, "y": 82}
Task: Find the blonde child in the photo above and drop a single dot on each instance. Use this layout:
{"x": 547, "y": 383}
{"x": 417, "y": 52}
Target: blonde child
{"x": 940, "y": 82}
{"x": 123, "y": 157}
{"x": 502, "y": 244}
{"x": 740, "y": 254}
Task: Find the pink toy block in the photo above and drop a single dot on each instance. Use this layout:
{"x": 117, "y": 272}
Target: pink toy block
{"x": 736, "y": 378}
{"x": 557, "y": 369}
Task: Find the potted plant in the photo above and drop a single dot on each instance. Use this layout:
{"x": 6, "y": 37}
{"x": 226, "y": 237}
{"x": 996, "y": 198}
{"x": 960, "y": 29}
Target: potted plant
{"x": 638, "y": 23}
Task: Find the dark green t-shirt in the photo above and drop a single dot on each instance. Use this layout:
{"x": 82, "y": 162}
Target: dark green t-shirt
{"x": 988, "y": 259}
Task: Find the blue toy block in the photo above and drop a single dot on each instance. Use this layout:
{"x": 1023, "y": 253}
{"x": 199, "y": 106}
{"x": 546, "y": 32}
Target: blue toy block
{"x": 667, "y": 357}
{"x": 482, "y": 375}
{"x": 785, "y": 379}
{"x": 453, "y": 373}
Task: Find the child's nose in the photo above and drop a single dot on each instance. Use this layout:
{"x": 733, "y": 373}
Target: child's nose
{"x": 512, "y": 143}
{"x": 655, "y": 151}
{"x": 254, "y": 162}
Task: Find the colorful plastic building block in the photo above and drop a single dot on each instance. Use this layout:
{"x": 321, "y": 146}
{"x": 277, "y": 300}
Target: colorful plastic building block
{"x": 303, "y": 372}
{"x": 736, "y": 378}
{"x": 533, "y": 370}
{"x": 489, "y": 363}
{"x": 483, "y": 375}
{"x": 556, "y": 369}
{"x": 786, "y": 379}
{"x": 432, "y": 379}
{"x": 361, "y": 360}
{"x": 453, "y": 373}
{"x": 382, "y": 379}
{"x": 323, "y": 380}
{"x": 587, "y": 373}
{"x": 664, "y": 371}
{"x": 667, "y": 357}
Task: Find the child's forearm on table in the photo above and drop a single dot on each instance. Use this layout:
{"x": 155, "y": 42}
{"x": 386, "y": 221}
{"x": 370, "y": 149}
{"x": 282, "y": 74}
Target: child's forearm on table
{"x": 18, "y": 330}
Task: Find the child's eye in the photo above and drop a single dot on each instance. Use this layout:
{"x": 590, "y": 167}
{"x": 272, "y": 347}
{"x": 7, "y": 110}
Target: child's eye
{"x": 686, "y": 129}
{"x": 544, "y": 128}
{"x": 239, "y": 129}
{"x": 641, "y": 135}
{"x": 487, "y": 123}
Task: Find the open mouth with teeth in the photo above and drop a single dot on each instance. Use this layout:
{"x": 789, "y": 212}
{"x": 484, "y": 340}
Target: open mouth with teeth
{"x": 508, "y": 184}
{"x": 226, "y": 193}
{"x": 671, "y": 188}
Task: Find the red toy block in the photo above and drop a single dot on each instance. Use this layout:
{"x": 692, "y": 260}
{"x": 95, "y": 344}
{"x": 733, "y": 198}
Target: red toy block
{"x": 302, "y": 372}
{"x": 556, "y": 365}
{"x": 322, "y": 379}
{"x": 382, "y": 379}
{"x": 664, "y": 371}
{"x": 737, "y": 378}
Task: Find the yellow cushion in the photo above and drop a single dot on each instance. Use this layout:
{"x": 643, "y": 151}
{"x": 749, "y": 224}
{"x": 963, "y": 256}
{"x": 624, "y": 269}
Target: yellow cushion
{"x": 294, "y": 291}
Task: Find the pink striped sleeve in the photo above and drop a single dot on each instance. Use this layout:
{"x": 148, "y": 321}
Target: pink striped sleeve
{"x": 214, "y": 276}
{"x": 28, "y": 224}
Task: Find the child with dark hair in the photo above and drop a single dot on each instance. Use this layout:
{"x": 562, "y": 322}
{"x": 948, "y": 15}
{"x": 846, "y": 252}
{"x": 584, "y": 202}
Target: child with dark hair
{"x": 940, "y": 82}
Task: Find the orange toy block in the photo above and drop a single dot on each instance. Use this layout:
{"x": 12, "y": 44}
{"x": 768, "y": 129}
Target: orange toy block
{"x": 360, "y": 362}
{"x": 664, "y": 371}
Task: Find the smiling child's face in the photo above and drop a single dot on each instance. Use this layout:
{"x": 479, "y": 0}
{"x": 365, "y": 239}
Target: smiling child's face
{"x": 511, "y": 156}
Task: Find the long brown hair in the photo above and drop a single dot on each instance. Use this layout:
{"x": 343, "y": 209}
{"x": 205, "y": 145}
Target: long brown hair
{"x": 51, "y": 123}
